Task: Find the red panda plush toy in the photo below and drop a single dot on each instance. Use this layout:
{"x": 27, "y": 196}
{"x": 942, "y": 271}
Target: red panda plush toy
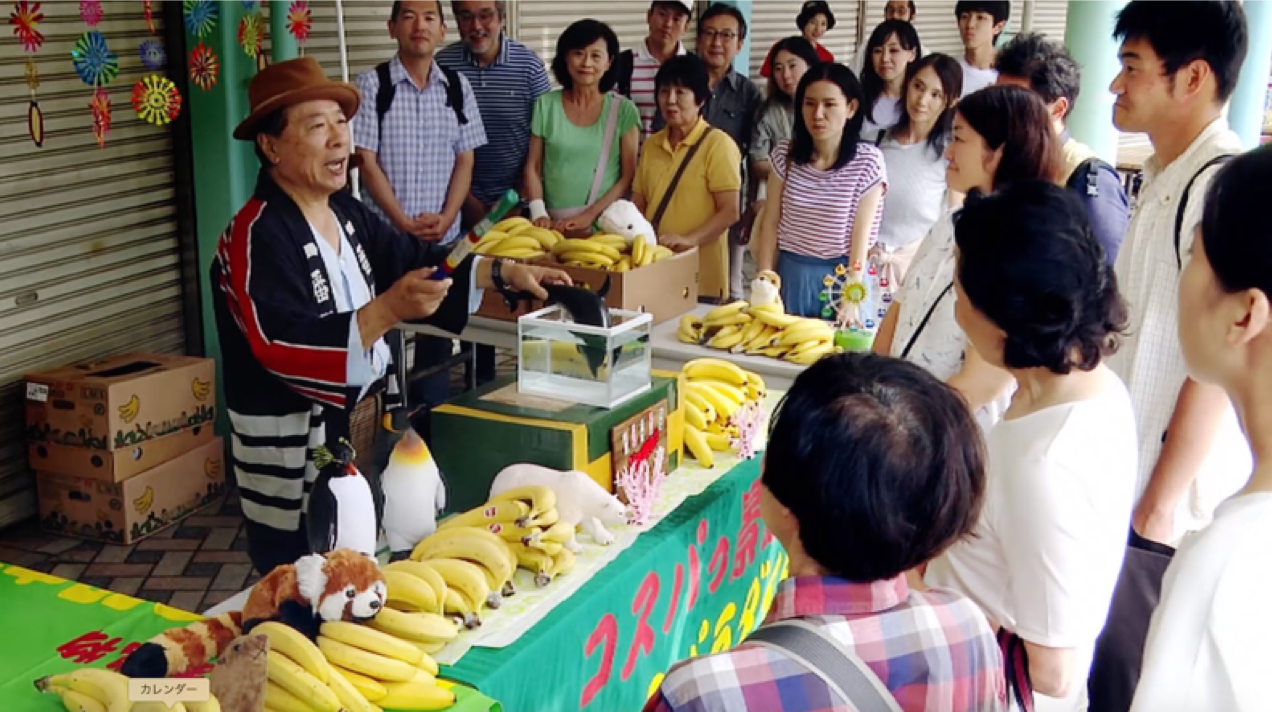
{"x": 343, "y": 585}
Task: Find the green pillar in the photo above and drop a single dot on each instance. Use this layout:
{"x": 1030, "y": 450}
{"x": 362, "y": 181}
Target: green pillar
{"x": 1089, "y": 37}
{"x": 224, "y": 169}
{"x": 1249, "y": 101}
{"x": 282, "y": 45}
{"x": 742, "y": 62}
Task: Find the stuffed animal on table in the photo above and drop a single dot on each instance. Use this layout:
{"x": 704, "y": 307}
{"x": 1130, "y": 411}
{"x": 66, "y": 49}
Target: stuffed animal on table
{"x": 414, "y": 494}
{"x": 341, "y": 513}
{"x": 766, "y": 289}
{"x": 623, "y": 218}
{"x": 581, "y": 502}
{"x": 343, "y": 585}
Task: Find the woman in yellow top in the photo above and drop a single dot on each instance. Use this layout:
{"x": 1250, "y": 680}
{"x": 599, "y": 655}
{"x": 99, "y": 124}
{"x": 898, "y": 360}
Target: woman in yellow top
{"x": 697, "y": 209}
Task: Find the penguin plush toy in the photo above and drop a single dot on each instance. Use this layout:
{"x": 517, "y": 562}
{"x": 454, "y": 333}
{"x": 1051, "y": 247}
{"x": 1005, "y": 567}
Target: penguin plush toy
{"x": 342, "y": 512}
{"x": 414, "y": 493}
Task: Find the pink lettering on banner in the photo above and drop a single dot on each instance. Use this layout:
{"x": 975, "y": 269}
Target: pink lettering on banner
{"x": 719, "y": 563}
{"x": 748, "y": 532}
{"x": 693, "y": 577}
{"x": 607, "y": 631}
{"x": 675, "y": 598}
{"x": 642, "y": 605}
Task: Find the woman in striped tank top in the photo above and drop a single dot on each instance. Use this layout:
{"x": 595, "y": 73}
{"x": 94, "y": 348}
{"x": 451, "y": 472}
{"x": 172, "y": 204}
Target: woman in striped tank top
{"x": 825, "y": 192}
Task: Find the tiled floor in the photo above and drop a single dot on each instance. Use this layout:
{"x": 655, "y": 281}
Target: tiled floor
{"x": 192, "y": 566}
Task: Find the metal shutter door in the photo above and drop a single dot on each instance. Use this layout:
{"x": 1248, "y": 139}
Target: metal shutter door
{"x": 1049, "y": 18}
{"x": 367, "y": 37}
{"x": 89, "y": 236}
{"x": 539, "y": 23}
{"x": 772, "y": 20}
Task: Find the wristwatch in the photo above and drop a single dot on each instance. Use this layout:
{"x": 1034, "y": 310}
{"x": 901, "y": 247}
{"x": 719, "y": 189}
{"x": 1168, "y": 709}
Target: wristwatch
{"x": 496, "y": 277}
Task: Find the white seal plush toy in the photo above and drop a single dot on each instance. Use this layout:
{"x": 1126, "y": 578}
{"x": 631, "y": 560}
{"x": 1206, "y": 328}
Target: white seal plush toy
{"x": 413, "y": 494}
{"x": 622, "y": 218}
{"x": 580, "y": 501}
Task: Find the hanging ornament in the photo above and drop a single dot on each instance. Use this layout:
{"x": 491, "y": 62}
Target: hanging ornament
{"x": 147, "y": 11}
{"x": 299, "y": 21}
{"x": 91, "y": 12}
{"x": 261, "y": 62}
{"x": 153, "y": 56}
{"x": 249, "y": 35}
{"x": 155, "y": 99}
{"x": 35, "y": 124}
{"x": 101, "y": 116}
{"x": 94, "y": 62}
{"x": 203, "y": 67}
{"x": 26, "y": 18}
{"x": 200, "y": 17}
{"x": 32, "y": 75}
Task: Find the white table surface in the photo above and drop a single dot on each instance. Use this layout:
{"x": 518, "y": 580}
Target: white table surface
{"x": 671, "y": 354}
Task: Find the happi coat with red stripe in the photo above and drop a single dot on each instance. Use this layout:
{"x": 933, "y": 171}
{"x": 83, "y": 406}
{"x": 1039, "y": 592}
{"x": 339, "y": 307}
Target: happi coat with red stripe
{"x": 285, "y": 347}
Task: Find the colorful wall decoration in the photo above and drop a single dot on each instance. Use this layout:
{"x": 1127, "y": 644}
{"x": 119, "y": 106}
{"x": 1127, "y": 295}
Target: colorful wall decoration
{"x": 25, "y": 19}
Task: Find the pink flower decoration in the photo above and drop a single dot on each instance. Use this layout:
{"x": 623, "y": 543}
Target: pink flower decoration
{"x": 91, "y": 12}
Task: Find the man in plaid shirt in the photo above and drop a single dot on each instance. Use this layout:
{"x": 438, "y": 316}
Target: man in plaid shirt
{"x": 873, "y": 468}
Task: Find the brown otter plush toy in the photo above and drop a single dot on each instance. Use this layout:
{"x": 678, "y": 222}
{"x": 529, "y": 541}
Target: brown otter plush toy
{"x": 343, "y": 585}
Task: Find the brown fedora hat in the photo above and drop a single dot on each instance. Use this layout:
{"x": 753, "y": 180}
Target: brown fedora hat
{"x": 292, "y": 82}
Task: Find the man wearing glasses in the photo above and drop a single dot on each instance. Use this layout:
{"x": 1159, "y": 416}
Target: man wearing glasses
{"x": 506, "y": 77}
{"x": 731, "y": 108}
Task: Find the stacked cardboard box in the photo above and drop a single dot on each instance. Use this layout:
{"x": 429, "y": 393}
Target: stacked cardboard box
{"x": 124, "y": 447}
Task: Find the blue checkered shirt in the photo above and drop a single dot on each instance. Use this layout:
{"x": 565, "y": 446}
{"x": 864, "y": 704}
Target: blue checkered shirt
{"x": 421, "y": 138}
{"x": 505, "y": 91}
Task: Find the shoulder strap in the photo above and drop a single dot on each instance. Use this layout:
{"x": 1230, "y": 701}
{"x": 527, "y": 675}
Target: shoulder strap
{"x": 454, "y": 93}
{"x": 847, "y": 675}
{"x": 675, "y": 180}
{"x": 918, "y": 330}
{"x": 607, "y": 148}
{"x": 1089, "y": 170}
{"x": 623, "y": 68}
{"x": 879, "y": 137}
{"x": 384, "y": 95}
{"x": 1183, "y": 201}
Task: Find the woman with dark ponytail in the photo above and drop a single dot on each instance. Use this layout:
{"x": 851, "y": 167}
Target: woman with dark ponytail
{"x": 1037, "y": 299}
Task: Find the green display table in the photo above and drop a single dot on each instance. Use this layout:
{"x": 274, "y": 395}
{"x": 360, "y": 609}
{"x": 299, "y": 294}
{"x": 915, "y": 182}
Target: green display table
{"x": 697, "y": 582}
{"x": 52, "y": 625}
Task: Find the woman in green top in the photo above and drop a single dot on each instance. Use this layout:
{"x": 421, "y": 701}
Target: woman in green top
{"x": 579, "y": 127}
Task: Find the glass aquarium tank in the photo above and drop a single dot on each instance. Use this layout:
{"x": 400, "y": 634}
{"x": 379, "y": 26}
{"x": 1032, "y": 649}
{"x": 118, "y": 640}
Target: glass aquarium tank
{"x": 593, "y": 365}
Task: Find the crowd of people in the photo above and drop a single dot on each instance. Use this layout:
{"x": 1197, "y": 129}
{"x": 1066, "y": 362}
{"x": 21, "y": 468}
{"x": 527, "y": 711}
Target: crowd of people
{"x": 1065, "y": 403}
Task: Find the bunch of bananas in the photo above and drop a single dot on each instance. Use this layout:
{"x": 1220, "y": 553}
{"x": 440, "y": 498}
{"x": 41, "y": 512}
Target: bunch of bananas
{"x": 714, "y": 391}
{"x": 101, "y": 690}
{"x": 518, "y": 238}
{"x": 353, "y": 668}
{"x": 759, "y": 331}
{"x": 610, "y": 252}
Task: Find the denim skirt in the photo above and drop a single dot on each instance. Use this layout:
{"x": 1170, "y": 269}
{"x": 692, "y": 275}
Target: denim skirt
{"x": 804, "y": 283}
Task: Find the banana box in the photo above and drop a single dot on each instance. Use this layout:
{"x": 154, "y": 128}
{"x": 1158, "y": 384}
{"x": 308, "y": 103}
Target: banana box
{"x": 667, "y": 288}
{"x": 120, "y": 402}
{"x": 125, "y": 512}
{"x": 476, "y": 435}
{"x": 116, "y": 465}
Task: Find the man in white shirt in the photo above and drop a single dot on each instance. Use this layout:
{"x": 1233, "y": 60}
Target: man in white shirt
{"x": 980, "y": 24}
{"x": 1180, "y": 63}
{"x": 634, "y": 70}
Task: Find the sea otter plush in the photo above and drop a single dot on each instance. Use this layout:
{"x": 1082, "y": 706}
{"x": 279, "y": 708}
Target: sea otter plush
{"x": 343, "y": 585}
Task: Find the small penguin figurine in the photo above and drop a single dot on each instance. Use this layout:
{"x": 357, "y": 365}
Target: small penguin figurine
{"x": 414, "y": 494}
{"x": 341, "y": 505}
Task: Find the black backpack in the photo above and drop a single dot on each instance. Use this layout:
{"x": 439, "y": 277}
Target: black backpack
{"x": 1090, "y": 170}
{"x": 384, "y": 97}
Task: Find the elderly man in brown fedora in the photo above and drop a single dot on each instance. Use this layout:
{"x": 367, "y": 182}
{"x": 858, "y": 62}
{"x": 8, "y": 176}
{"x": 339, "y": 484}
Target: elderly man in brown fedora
{"x": 307, "y": 286}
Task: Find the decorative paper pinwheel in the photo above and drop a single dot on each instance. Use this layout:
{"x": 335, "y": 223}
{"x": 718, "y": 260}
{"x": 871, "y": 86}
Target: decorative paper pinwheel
{"x": 156, "y": 99}
{"x": 147, "y": 11}
{"x": 299, "y": 20}
{"x": 94, "y": 62}
{"x": 250, "y": 35}
{"x": 91, "y": 12}
{"x": 204, "y": 67}
{"x": 200, "y": 17}
{"x": 101, "y": 116}
{"x": 26, "y": 18}
{"x": 153, "y": 56}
